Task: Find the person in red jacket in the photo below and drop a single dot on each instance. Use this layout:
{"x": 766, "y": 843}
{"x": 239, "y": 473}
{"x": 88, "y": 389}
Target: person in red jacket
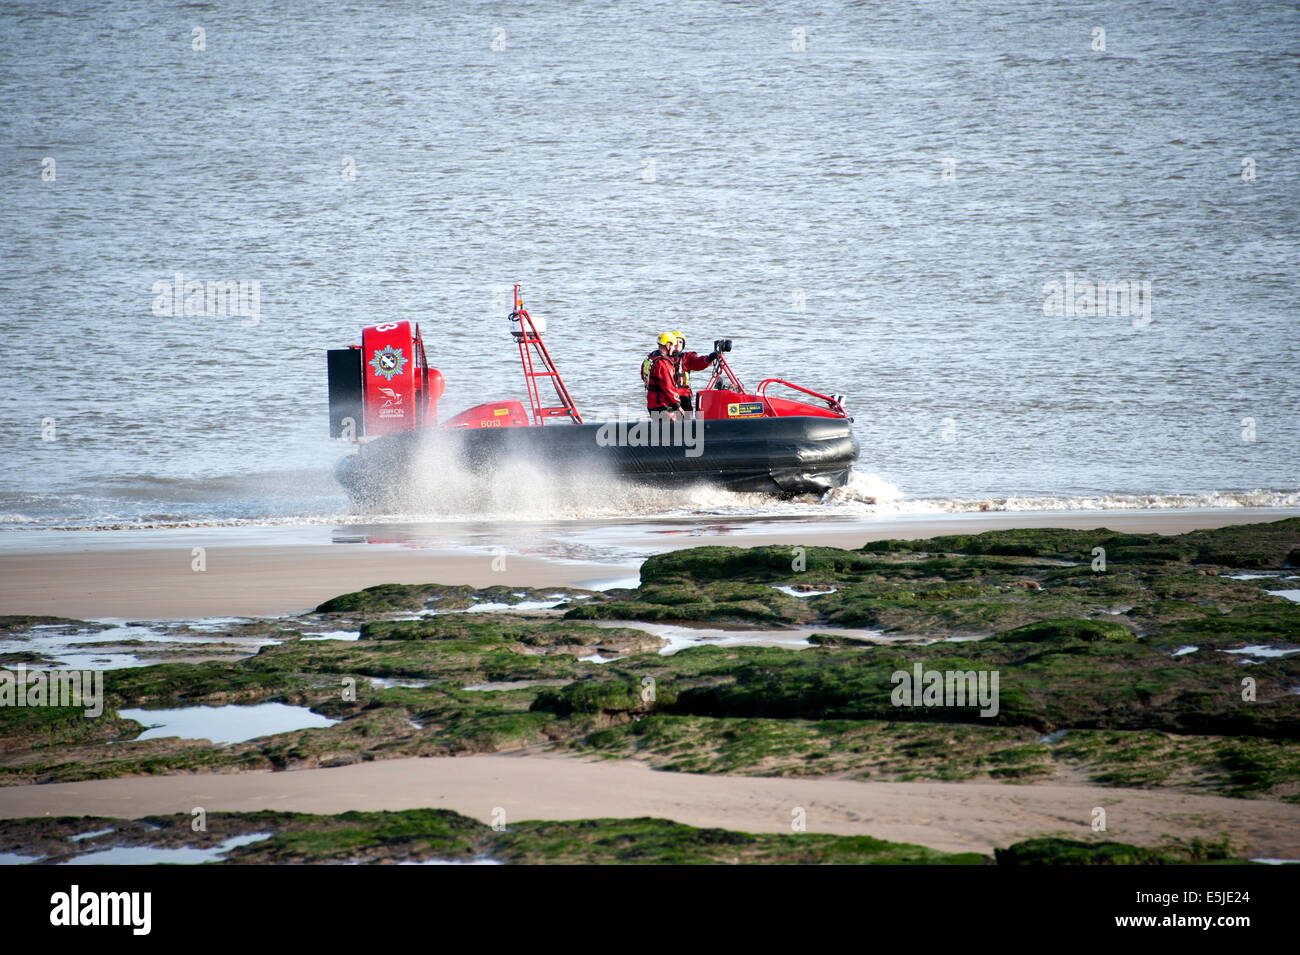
{"x": 660, "y": 373}
{"x": 687, "y": 362}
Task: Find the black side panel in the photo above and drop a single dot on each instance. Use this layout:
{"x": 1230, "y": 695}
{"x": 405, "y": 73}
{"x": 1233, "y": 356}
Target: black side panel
{"x": 793, "y": 455}
{"x": 345, "y": 392}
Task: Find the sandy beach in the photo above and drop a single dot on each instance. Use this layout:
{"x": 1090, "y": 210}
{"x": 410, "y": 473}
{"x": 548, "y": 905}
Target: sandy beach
{"x": 107, "y": 575}
{"x": 159, "y": 584}
{"x": 945, "y": 816}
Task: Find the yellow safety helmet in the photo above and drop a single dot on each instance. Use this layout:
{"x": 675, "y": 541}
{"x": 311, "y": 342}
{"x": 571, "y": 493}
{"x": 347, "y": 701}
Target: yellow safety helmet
{"x": 680, "y": 337}
{"x": 667, "y": 338}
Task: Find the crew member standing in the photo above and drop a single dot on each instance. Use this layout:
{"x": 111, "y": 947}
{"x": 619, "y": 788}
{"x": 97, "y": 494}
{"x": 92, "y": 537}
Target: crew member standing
{"x": 659, "y": 371}
{"x": 685, "y": 362}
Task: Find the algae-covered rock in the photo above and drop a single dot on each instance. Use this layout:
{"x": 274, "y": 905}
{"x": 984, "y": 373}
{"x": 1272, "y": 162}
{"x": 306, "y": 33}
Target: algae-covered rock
{"x": 1089, "y": 631}
{"x": 417, "y": 835}
{"x": 1243, "y": 545}
{"x": 607, "y": 697}
{"x": 838, "y": 640}
{"x": 396, "y": 598}
{"x": 390, "y": 598}
{"x": 194, "y": 684}
{"x": 1054, "y": 851}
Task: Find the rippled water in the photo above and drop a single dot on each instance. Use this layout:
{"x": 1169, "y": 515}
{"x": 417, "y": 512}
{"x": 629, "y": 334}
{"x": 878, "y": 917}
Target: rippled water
{"x": 643, "y": 166}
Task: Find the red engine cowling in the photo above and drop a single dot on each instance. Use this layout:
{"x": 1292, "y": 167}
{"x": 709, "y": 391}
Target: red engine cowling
{"x": 399, "y": 390}
{"x": 493, "y": 414}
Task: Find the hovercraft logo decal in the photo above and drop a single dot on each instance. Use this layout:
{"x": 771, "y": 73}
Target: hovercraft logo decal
{"x": 388, "y": 361}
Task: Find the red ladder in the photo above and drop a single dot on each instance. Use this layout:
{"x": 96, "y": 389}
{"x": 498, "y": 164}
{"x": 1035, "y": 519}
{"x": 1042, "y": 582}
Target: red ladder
{"x": 529, "y": 341}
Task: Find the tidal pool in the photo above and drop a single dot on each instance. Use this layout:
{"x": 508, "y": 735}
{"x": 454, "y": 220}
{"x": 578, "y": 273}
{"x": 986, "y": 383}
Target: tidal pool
{"x": 1259, "y": 651}
{"x": 802, "y": 593}
{"x": 679, "y": 637}
{"x": 333, "y": 635}
{"x": 154, "y": 855}
{"x": 226, "y": 724}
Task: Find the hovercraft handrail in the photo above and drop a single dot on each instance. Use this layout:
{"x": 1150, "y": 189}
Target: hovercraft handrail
{"x": 720, "y": 365}
{"x": 528, "y": 338}
{"x": 831, "y": 402}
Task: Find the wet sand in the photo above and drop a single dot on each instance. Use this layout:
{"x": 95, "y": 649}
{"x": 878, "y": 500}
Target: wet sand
{"x": 242, "y": 581}
{"x": 952, "y": 817}
{"x": 108, "y": 575}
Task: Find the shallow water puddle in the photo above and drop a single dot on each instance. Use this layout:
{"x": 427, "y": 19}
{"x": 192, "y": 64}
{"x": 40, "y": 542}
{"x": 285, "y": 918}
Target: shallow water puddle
{"x": 453, "y": 862}
{"x": 155, "y": 855}
{"x": 13, "y": 858}
{"x": 1258, "y": 651}
{"x": 597, "y": 658}
{"x": 213, "y": 624}
{"x": 333, "y": 635}
{"x": 613, "y": 583}
{"x": 1291, "y": 595}
{"x": 109, "y": 648}
{"x": 521, "y": 605}
{"x": 785, "y": 589}
{"x": 226, "y": 724}
{"x": 1183, "y": 651}
{"x": 680, "y": 637}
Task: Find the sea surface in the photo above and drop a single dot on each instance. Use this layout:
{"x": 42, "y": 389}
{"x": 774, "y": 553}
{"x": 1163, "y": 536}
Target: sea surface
{"x": 868, "y": 198}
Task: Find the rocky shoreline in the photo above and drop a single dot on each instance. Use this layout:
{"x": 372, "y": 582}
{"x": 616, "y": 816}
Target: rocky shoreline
{"x": 1127, "y": 660}
{"x": 433, "y": 835}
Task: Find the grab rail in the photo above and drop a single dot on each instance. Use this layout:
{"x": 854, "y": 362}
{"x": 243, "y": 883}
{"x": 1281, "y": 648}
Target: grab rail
{"x": 831, "y": 403}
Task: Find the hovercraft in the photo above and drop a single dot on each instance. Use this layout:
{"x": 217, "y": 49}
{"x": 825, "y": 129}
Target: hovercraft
{"x": 384, "y": 397}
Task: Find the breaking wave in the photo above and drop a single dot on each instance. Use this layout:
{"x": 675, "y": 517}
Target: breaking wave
{"x": 867, "y": 493}
{"x": 519, "y": 491}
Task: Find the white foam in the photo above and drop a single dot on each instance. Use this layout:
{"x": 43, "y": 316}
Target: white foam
{"x": 871, "y": 497}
